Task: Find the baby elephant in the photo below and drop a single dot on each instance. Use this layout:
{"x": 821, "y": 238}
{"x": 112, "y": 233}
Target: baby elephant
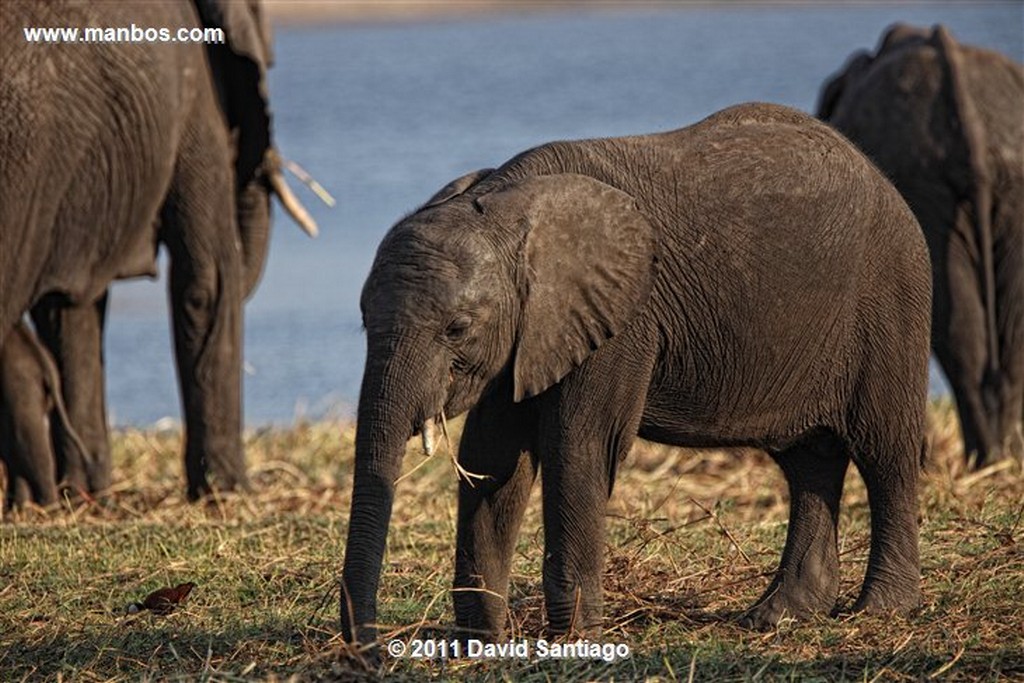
{"x": 29, "y": 395}
{"x": 751, "y": 280}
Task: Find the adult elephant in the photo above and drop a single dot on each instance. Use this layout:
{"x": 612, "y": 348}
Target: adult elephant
{"x": 112, "y": 148}
{"x": 74, "y": 333}
{"x": 31, "y": 407}
{"x": 943, "y": 120}
{"x": 751, "y": 280}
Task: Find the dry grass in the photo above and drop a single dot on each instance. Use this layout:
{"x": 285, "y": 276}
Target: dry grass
{"x": 692, "y": 540}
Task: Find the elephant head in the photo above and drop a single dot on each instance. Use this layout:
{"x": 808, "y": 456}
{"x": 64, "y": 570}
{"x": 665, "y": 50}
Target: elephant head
{"x": 239, "y": 69}
{"x": 497, "y": 284}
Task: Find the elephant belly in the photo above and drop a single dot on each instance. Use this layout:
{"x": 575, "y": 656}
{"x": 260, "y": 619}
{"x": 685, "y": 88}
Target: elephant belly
{"x": 676, "y": 428}
{"x": 760, "y": 400}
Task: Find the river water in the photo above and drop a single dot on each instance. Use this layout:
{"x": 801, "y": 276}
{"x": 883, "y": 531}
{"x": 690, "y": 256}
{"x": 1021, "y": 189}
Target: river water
{"x": 385, "y": 114}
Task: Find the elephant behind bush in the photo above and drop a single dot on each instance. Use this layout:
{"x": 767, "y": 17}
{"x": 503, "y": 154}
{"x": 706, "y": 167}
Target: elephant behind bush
{"x": 945, "y": 121}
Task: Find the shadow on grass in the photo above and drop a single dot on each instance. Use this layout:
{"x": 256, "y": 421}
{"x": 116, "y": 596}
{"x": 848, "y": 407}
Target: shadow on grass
{"x": 170, "y": 649}
{"x": 727, "y": 663}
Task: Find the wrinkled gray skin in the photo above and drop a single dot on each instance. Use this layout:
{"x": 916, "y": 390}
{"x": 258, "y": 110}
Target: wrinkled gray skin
{"x": 944, "y": 122}
{"x": 74, "y": 335}
{"x": 235, "y": 74}
{"x": 751, "y": 280}
{"x": 111, "y": 149}
{"x": 30, "y": 407}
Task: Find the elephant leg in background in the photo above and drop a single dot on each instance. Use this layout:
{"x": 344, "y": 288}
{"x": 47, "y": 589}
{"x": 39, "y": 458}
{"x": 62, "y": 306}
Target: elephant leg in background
{"x": 19, "y": 492}
{"x": 198, "y": 227}
{"x": 497, "y": 443}
{"x": 588, "y": 424}
{"x": 1009, "y": 275}
{"x": 807, "y": 580}
{"x": 74, "y": 335}
{"x": 24, "y": 422}
{"x": 958, "y": 340}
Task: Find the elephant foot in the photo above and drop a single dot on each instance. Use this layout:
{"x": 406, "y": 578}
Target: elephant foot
{"x": 477, "y": 630}
{"x": 587, "y": 624}
{"x": 785, "y": 600}
{"x": 878, "y": 599}
{"x": 204, "y": 488}
{"x": 100, "y": 477}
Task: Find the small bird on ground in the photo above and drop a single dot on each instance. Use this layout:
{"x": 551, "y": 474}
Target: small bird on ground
{"x": 164, "y": 600}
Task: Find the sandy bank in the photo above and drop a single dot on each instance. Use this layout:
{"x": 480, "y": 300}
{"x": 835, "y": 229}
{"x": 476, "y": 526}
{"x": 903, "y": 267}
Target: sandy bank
{"x": 322, "y": 11}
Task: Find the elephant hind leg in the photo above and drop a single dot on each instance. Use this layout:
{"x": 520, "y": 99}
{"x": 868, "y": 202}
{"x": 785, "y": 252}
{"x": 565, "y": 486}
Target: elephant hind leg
{"x": 807, "y": 580}
{"x": 960, "y": 344}
{"x": 1010, "y": 322}
{"x": 890, "y": 467}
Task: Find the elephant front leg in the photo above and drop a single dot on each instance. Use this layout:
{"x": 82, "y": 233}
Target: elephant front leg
{"x": 205, "y": 291}
{"x": 495, "y": 443}
{"x": 207, "y": 334}
{"x": 575, "y": 499}
{"x": 589, "y": 424}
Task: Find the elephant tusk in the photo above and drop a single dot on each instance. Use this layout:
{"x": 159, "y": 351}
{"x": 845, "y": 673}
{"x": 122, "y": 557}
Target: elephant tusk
{"x": 429, "y": 434}
{"x": 304, "y": 176}
{"x": 292, "y": 205}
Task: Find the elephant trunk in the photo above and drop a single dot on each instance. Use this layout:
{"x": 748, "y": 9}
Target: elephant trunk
{"x": 253, "y": 210}
{"x": 386, "y": 419}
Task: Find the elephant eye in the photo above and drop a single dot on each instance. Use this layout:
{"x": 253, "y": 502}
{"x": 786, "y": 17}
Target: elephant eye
{"x": 458, "y": 328}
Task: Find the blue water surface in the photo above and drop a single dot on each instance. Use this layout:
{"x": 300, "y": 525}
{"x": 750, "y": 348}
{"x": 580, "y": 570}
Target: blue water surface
{"x": 385, "y": 114}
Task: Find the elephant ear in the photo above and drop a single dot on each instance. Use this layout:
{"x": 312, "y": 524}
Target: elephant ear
{"x": 239, "y": 70}
{"x": 457, "y": 187}
{"x": 586, "y": 267}
{"x": 967, "y": 172}
{"x": 245, "y": 27}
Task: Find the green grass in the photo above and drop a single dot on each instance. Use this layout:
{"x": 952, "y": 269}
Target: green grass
{"x": 693, "y": 538}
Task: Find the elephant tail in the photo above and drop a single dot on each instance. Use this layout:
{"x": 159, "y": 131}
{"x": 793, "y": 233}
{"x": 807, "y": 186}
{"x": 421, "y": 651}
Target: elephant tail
{"x": 976, "y": 187}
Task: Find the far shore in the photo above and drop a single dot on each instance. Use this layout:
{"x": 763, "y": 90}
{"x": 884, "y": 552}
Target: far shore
{"x": 366, "y": 11}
